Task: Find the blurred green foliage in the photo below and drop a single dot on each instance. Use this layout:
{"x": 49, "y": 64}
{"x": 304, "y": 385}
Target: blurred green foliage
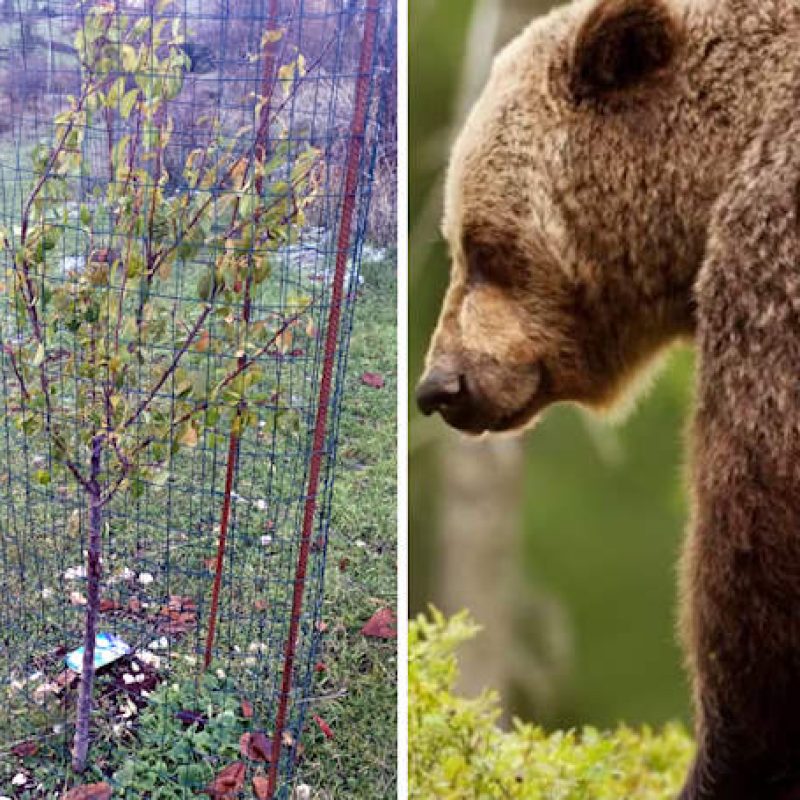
{"x": 459, "y": 752}
{"x": 604, "y": 515}
{"x": 437, "y": 33}
{"x": 605, "y": 507}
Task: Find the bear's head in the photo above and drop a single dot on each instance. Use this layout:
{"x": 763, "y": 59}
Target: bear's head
{"x": 573, "y": 237}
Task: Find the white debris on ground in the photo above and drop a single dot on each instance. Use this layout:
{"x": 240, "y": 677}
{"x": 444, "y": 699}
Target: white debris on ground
{"x": 123, "y": 575}
{"x": 75, "y": 573}
{"x": 151, "y": 659}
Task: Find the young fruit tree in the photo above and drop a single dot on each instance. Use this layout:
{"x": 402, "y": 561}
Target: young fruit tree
{"x": 132, "y": 303}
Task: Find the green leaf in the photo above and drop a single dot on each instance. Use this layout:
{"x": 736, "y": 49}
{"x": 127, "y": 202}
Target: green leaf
{"x": 115, "y": 92}
{"x": 128, "y": 102}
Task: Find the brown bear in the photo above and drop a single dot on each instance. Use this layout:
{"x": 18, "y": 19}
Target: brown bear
{"x": 631, "y": 176}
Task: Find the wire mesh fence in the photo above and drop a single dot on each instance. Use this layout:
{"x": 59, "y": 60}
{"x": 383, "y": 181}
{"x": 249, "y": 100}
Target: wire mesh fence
{"x": 184, "y": 199}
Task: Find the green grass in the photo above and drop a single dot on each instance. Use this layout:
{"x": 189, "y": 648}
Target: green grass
{"x": 355, "y": 693}
{"x": 362, "y": 568}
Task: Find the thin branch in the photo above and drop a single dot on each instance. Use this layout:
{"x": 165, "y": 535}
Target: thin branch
{"x": 170, "y": 369}
{"x": 200, "y": 408}
{"x": 133, "y": 146}
{"x": 9, "y": 351}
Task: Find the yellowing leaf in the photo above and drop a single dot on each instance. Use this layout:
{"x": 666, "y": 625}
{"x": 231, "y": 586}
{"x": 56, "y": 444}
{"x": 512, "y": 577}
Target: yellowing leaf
{"x": 203, "y": 342}
{"x": 271, "y": 36}
{"x": 189, "y": 437}
{"x": 74, "y": 523}
{"x": 238, "y": 172}
{"x": 130, "y": 58}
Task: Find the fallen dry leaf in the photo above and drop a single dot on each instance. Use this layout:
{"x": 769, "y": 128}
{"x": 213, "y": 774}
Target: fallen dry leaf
{"x": 179, "y": 615}
{"x": 381, "y": 625}
{"x": 107, "y": 604}
{"x": 91, "y": 791}
{"x": 256, "y": 746}
{"x": 66, "y": 679}
{"x": 261, "y": 787}
{"x": 323, "y": 726}
{"x": 179, "y": 602}
{"x": 189, "y": 718}
{"x": 228, "y": 783}
{"x": 247, "y": 709}
{"x": 25, "y": 749}
{"x": 373, "y": 380}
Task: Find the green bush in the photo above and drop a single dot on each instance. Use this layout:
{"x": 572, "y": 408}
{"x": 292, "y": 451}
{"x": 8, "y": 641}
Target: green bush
{"x": 458, "y": 751}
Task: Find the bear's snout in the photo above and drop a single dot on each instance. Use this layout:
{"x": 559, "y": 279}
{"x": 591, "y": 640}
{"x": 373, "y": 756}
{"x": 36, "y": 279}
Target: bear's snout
{"x": 445, "y": 389}
{"x": 440, "y": 390}
{"x": 479, "y": 396}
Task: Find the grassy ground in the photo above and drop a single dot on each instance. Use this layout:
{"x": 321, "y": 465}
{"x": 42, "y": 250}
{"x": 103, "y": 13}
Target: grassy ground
{"x": 360, "y": 761}
{"x": 354, "y": 690}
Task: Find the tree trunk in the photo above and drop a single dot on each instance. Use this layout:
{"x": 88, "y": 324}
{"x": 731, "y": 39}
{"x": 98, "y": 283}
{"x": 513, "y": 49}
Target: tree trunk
{"x": 93, "y": 573}
{"x": 481, "y": 498}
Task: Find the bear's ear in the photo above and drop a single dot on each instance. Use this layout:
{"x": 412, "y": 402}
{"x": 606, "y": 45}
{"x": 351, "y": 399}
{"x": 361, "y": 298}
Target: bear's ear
{"x": 620, "y": 45}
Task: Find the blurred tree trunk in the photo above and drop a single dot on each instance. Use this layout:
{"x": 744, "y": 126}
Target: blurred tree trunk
{"x": 479, "y": 536}
{"x": 482, "y": 480}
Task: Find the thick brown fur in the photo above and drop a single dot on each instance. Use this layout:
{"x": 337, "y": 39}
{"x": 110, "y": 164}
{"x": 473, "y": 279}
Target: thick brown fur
{"x": 630, "y": 176}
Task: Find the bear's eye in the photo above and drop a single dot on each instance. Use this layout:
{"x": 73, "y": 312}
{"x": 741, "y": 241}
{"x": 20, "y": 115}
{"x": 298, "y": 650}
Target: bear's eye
{"x": 476, "y": 265}
{"x": 489, "y": 264}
